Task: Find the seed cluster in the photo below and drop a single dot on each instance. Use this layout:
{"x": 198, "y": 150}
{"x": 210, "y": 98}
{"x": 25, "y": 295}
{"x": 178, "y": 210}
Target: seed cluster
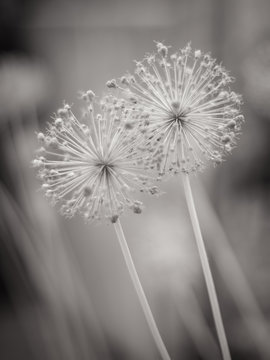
{"x": 92, "y": 168}
{"x": 177, "y": 112}
{"x": 193, "y": 116}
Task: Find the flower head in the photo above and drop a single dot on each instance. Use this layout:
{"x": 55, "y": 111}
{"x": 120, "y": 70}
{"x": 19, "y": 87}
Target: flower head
{"x": 92, "y": 168}
{"x": 192, "y": 115}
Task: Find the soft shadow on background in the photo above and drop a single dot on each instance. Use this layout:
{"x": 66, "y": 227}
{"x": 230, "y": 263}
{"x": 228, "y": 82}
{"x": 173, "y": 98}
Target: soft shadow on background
{"x": 64, "y": 289}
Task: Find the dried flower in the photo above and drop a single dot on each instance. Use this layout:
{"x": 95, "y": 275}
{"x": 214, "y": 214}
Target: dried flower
{"x": 191, "y": 115}
{"x": 92, "y": 169}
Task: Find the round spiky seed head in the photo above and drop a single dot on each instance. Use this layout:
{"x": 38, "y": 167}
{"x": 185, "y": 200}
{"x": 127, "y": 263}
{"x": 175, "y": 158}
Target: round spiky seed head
{"x": 92, "y": 169}
{"x": 194, "y": 117}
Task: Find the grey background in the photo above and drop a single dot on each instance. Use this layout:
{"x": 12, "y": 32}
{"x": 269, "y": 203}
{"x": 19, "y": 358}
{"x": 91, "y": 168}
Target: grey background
{"x": 64, "y": 289}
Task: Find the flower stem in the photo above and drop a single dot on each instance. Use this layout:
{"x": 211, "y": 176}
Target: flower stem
{"x": 206, "y": 270}
{"x": 139, "y": 290}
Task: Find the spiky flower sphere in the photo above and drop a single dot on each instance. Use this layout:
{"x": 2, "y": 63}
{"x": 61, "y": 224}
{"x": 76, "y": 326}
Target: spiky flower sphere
{"x": 192, "y": 115}
{"x": 92, "y": 168}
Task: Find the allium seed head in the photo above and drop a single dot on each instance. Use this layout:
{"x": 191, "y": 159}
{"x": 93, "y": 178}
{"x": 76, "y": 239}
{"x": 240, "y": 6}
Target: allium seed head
{"x": 193, "y": 116}
{"x": 92, "y": 168}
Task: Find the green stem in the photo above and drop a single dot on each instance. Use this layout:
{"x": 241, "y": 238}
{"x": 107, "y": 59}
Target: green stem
{"x": 139, "y": 290}
{"x": 206, "y": 270}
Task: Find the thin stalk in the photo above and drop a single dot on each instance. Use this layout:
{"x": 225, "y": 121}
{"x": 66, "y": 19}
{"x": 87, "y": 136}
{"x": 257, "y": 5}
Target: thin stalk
{"x": 139, "y": 290}
{"x": 238, "y": 285}
{"x": 206, "y": 270}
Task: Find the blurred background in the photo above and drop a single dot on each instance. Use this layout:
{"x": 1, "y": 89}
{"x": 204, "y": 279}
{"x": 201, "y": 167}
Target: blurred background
{"x": 65, "y": 292}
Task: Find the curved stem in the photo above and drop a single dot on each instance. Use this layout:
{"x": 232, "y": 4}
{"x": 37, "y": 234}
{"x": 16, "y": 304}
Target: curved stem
{"x": 139, "y": 290}
{"x": 206, "y": 270}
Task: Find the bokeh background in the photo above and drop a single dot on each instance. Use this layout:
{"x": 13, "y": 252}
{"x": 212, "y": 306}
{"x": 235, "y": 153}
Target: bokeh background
{"x": 65, "y": 292}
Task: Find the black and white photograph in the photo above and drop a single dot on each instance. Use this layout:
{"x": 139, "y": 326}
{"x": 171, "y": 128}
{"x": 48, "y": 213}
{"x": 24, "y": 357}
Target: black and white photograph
{"x": 135, "y": 180}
